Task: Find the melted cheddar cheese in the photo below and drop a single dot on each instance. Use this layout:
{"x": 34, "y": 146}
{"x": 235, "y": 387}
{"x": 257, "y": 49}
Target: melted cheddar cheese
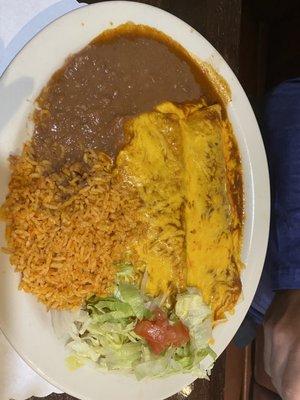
{"x": 179, "y": 159}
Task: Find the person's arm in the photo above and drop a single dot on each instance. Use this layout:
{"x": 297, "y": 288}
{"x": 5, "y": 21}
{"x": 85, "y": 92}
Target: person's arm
{"x": 282, "y": 323}
{"x": 282, "y": 344}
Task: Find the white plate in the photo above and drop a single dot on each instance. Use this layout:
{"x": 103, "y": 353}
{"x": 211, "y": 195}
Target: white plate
{"x": 25, "y": 322}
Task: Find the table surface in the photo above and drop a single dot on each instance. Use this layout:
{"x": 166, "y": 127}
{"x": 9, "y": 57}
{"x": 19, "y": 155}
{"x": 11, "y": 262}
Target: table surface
{"x": 219, "y": 21}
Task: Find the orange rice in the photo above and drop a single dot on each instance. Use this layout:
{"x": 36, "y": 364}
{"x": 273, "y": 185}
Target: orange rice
{"x": 67, "y": 229}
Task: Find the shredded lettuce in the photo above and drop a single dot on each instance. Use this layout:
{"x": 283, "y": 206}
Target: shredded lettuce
{"x": 110, "y": 309}
{"x": 125, "y": 272}
{"x": 131, "y": 295}
{"x": 105, "y": 336}
{"x": 196, "y": 315}
{"x": 182, "y": 360}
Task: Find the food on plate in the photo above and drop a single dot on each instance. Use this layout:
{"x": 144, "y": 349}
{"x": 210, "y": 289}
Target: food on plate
{"x": 116, "y": 334}
{"x": 66, "y": 228}
{"x": 175, "y": 159}
{"x": 122, "y": 73}
{"x": 124, "y": 212}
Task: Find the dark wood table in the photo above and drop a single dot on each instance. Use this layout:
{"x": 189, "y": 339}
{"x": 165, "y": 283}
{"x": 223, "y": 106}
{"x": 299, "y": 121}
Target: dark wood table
{"x": 219, "y": 21}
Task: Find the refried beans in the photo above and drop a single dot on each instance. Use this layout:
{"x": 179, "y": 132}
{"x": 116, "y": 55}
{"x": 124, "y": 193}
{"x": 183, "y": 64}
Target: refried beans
{"x": 122, "y": 73}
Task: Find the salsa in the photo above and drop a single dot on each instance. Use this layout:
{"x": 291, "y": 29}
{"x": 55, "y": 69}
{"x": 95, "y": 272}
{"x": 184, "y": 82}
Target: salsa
{"x": 161, "y": 334}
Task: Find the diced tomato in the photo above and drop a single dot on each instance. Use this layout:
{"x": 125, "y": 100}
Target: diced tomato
{"x": 160, "y": 315}
{"x": 142, "y": 327}
{"x": 180, "y": 334}
{"x": 150, "y": 330}
{"x": 156, "y": 347}
{"x": 160, "y": 334}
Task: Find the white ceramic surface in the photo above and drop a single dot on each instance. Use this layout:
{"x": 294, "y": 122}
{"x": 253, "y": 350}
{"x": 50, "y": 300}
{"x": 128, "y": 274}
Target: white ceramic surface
{"x": 25, "y": 322}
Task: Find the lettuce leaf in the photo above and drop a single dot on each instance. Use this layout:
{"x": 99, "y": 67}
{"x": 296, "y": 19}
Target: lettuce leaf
{"x": 125, "y": 272}
{"x": 196, "y": 315}
{"x": 131, "y": 295}
{"x": 104, "y": 335}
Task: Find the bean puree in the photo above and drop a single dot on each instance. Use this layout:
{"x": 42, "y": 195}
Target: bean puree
{"x": 123, "y": 72}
